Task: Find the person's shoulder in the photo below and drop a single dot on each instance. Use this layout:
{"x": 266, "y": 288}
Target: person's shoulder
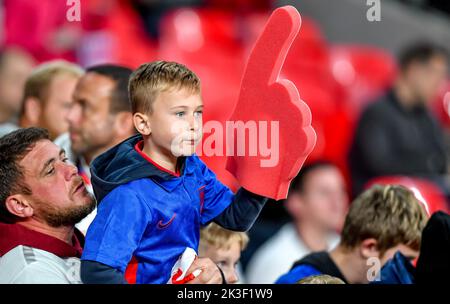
{"x": 6, "y": 128}
{"x": 380, "y": 106}
{"x": 135, "y": 189}
{"x": 279, "y": 239}
{"x": 272, "y": 249}
{"x": 194, "y": 163}
{"x": 25, "y": 264}
{"x": 194, "y": 160}
{"x": 297, "y": 273}
{"x": 14, "y": 260}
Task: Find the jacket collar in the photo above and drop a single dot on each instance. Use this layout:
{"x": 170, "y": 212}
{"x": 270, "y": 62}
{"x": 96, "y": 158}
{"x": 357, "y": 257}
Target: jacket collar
{"x": 167, "y": 179}
{"x": 13, "y": 235}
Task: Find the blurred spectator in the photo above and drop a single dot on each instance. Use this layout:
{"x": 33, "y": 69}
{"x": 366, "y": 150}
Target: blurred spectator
{"x": 398, "y": 134}
{"x": 99, "y": 118}
{"x": 224, "y": 248}
{"x": 48, "y": 96}
{"x": 317, "y": 203}
{"x": 42, "y": 28}
{"x": 433, "y": 265}
{"x": 15, "y": 66}
{"x": 380, "y": 222}
{"x": 41, "y": 199}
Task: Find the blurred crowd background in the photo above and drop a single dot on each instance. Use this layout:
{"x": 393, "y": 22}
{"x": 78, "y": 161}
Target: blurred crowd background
{"x": 341, "y": 63}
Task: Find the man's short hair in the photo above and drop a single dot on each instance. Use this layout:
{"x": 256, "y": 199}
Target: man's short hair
{"x": 38, "y": 83}
{"x": 298, "y": 184}
{"x": 218, "y": 237}
{"x": 421, "y": 52}
{"x": 13, "y": 148}
{"x": 152, "y": 78}
{"x": 390, "y": 214}
{"x": 119, "y": 101}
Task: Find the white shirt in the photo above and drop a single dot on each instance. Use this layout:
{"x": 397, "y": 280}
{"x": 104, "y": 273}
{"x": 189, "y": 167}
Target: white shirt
{"x": 7, "y": 127}
{"x": 63, "y": 141}
{"x": 27, "y": 265}
{"x": 277, "y": 255}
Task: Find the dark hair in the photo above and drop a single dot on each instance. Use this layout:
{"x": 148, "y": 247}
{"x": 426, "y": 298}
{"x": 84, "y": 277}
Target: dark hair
{"x": 298, "y": 184}
{"x": 420, "y": 52}
{"x": 121, "y": 76}
{"x": 13, "y": 148}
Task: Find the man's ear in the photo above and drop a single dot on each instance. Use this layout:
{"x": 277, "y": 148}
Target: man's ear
{"x": 124, "y": 123}
{"x": 142, "y": 123}
{"x": 32, "y": 110}
{"x": 18, "y": 205}
{"x": 369, "y": 248}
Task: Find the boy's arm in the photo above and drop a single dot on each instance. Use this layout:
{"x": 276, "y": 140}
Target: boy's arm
{"x": 242, "y": 212}
{"x": 232, "y": 211}
{"x": 94, "y": 273}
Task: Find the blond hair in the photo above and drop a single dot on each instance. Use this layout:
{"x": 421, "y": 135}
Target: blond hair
{"x": 152, "y": 78}
{"x": 38, "y": 82}
{"x": 390, "y": 214}
{"x": 221, "y": 238}
{"x": 321, "y": 279}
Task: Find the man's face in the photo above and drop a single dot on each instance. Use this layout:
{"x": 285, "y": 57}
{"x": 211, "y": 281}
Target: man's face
{"x": 324, "y": 199}
{"x": 176, "y": 122}
{"x": 14, "y": 71}
{"x": 57, "y": 105}
{"x": 91, "y": 125}
{"x": 427, "y": 78}
{"x": 226, "y": 259}
{"x": 58, "y": 197}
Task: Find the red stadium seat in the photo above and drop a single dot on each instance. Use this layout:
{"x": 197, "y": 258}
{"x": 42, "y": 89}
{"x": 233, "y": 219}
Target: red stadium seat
{"x": 427, "y": 192}
{"x": 364, "y": 72}
{"x": 441, "y": 106}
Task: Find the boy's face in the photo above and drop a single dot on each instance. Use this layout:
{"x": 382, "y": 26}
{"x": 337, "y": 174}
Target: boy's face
{"x": 226, "y": 258}
{"x": 176, "y": 122}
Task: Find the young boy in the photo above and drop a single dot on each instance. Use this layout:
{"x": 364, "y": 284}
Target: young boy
{"x": 153, "y": 192}
{"x": 381, "y": 221}
{"x": 224, "y": 248}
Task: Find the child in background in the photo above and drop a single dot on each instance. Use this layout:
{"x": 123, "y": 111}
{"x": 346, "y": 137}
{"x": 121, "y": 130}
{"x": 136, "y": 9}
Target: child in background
{"x": 224, "y": 248}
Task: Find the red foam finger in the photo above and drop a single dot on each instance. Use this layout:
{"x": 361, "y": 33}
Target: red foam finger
{"x": 282, "y": 119}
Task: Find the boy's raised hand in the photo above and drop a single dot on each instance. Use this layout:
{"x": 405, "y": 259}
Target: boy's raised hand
{"x": 275, "y": 107}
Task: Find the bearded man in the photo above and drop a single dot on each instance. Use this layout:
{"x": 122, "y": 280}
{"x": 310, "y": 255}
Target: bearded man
{"x": 42, "y": 197}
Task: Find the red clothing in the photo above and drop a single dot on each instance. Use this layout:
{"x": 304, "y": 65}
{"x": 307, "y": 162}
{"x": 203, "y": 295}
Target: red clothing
{"x": 13, "y": 235}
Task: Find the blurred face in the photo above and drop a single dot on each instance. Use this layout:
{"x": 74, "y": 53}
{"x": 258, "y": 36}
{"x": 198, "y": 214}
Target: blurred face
{"x": 58, "y": 197}
{"x": 57, "y": 105}
{"x": 324, "y": 200}
{"x": 14, "y": 71}
{"x": 427, "y": 78}
{"x": 176, "y": 122}
{"x": 409, "y": 253}
{"x": 91, "y": 125}
{"x": 226, "y": 259}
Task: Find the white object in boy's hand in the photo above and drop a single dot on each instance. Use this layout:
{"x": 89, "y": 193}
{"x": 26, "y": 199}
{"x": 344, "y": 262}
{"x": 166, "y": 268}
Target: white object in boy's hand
{"x": 179, "y": 270}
